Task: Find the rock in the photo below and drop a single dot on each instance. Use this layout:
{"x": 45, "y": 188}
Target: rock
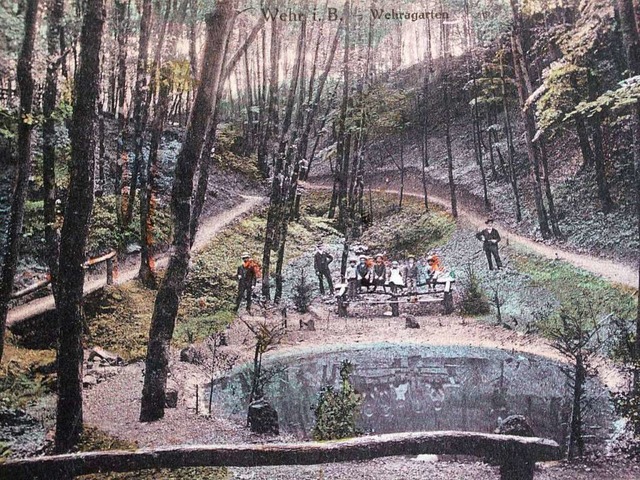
{"x": 411, "y": 322}
{"x": 515, "y": 425}
{"x": 105, "y": 357}
{"x": 171, "y": 394}
{"x": 309, "y": 325}
{"x": 188, "y": 354}
{"x": 104, "y": 372}
{"x": 263, "y": 418}
{"x": 89, "y": 381}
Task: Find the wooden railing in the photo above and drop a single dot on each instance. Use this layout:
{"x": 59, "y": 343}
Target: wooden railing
{"x": 112, "y": 266}
{"x": 515, "y": 455}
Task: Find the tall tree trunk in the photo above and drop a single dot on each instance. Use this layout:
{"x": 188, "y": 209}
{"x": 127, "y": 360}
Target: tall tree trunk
{"x": 444, "y": 48}
{"x": 168, "y": 298}
{"x": 478, "y": 138}
{"x": 553, "y": 216}
{"x": 148, "y": 174}
{"x": 343, "y": 147}
{"x": 193, "y": 58}
{"x": 75, "y": 230}
{"x": 121, "y": 8}
{"x": 21, "y": 184}
{"x": 147, "y": 271}
{"x": 140, "y": 105}
{"x": 447, "y": 130}
{"x": 583, "y": 140}
{"x": 425, "y": 130}
{"x": 49, "y": 98}
{"x": 315, "y": 105}
{"x": 510, "y": 147}
{"x": 599, "y": 150}
{"x": 529, "y": 132}
{"x": 576, "y": 441}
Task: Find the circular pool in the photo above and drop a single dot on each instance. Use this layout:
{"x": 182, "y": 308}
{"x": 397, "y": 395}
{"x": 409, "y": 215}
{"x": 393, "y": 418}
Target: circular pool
{"x": 416, "y": 387}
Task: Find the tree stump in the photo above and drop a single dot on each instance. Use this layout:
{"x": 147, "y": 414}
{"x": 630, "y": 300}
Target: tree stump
{"x": 448, "y": 303}
{"x": 263, "y": 418}
{"x": 342, "y": 307}
{"x": 395, "y": 308}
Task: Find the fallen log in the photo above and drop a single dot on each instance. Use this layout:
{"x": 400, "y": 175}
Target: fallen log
{"x": 516, "y": 455}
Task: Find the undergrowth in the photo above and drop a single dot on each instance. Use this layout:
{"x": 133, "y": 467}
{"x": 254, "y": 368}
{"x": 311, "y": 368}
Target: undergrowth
{"x": 25, "y": 375}
{"x": 118, "y": 319}
{"x": 405, "y": 231}
{"x": 569, "y": 284}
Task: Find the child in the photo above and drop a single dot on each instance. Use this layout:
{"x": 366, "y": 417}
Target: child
{"x": 395, "y": 277}
{"x": 433, "y": 271}
{"x": 363, "y": 273}
{"x": 411, "y": 274}
{"x": 352, "y": 279}
{"x": 379, "y": 273}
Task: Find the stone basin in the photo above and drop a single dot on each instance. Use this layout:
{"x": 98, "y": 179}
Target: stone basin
{"x": 418, "y": 387}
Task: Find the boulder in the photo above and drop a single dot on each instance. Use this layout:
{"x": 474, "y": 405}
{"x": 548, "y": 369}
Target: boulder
{"x": 188, "y": 354}
{"x": 411, "y": 322}
{"x": 263, "y": 418}
{"x": 309, "y": 325}
{"x": 515, "y": 425}
{"x": 89, "y": 381}
{"x": 171, "y": 394}
{"x": 104, "y": 356}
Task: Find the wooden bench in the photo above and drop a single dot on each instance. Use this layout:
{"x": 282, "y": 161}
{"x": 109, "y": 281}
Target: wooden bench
{"x": 515, "y": 455}
{"x": 443, "y": 286}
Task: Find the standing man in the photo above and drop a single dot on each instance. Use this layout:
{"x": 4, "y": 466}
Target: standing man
{"x": 321, "y": 261}
{"x": 490, "y": 238}
{"x": 247, "y": 274}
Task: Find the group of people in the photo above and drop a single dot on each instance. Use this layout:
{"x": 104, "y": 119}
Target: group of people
{"x": 371, "y": 273}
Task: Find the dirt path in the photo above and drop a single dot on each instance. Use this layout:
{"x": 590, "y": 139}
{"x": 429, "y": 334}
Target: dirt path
{"x": 611, "y": 270}
{"x": 208, "y": 228}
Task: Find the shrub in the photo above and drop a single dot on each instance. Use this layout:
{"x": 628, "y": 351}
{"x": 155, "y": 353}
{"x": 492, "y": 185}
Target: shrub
{"x": 337, "y": 411}
{"x": 302, "y": 293}
{"x": 474, "y": 298}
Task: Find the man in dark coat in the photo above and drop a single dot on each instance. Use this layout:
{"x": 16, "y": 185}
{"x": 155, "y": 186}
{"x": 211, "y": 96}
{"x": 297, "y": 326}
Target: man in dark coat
{"x": 247, "y": 275}
{"x": 321, "y": 261}
{"x": 490, "y": 238}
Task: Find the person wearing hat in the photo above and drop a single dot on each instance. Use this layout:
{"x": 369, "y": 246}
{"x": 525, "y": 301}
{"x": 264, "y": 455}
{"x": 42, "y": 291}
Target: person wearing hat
{"x": 321, "y": 261}
{"x": 247, "y": 274}
{"x": 379, "y": 273}
{"x": 433, "y": 270}
{"x": 411, "y": 274}
{"x": 363, "y": 273}
{"x": 395, "y": 277}
{"x": 351, "y": 275}
{"x": 490, "y": 238}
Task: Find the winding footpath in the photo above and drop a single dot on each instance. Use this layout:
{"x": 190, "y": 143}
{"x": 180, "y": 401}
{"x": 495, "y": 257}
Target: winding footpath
{"x": 612, "y": 270}
{"x": 209, "y": 227}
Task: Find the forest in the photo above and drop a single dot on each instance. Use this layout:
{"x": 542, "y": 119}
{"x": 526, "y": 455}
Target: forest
{"x": 162, "y": 161}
